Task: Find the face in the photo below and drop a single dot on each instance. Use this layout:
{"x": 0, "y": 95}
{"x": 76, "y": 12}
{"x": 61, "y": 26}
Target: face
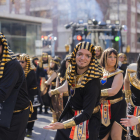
{"x": 36, "y": 62}
{"x": 0, "y": 50}
{"x": 111, "y": 60}
{"x": 67, "y": 63}
{"x": 121, "y": 58}
{"x": 45, "y": 58}
{"x": 97, "y": 52}
{"x": 52, "y": 64}
{"x": 23, "y": 64}
{"x": 83, "y": 58}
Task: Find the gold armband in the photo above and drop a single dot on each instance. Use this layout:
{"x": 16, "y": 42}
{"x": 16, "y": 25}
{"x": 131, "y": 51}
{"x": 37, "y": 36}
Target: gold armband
{"x": 127, "y": 95}
{"x": 69, "y": 123}
{"x": 104, "y": 92}
{"x": 138, "y": 118}
{"x": 54, "y": 92}
{"x": 46, "y": 83}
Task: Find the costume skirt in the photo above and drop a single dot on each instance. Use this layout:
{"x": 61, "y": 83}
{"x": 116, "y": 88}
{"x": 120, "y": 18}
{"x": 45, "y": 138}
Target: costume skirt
{"x": 118, "y": 111}
{"x": 93, "y": 127}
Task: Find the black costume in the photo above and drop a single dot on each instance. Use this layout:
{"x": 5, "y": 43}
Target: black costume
{"x": 33, "y": 90}
{"x": 11, "y": 77}
{"x": 123, "y": 67}
{"x": 82, "y": 109}
{"x": 112, "y": 108}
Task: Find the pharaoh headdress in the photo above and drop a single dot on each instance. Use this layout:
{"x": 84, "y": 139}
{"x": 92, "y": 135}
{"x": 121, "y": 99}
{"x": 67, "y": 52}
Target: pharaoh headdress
{"x": 7, "y": 54}
{"x": 25, "y": 57}
{"x": 94, "y": 70}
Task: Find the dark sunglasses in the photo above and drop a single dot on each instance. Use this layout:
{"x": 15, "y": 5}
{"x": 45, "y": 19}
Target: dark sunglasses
{"x": 22, "y": 62}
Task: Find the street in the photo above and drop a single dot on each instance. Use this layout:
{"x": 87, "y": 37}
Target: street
{"x": 39, "y": 133}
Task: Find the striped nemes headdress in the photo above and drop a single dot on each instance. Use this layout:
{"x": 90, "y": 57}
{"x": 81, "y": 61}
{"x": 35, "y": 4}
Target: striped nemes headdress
{"x": 94, "y": 70}
{"x": 7, "y": 55}
{"x": 25, "y": 57}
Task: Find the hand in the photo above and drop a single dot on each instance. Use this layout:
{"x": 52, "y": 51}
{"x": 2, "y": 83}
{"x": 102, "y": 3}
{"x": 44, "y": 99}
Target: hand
{"x": 50, "y": 93}
{"x": 54, "y": 126}
{"x": 130, "y": 121}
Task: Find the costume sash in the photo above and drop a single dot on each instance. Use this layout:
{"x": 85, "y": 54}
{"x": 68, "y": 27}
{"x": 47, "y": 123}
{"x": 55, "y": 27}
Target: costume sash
{"x": 105, "y": 112}
{"x": 136, "y": 113}
{"x": 79, "y": 132}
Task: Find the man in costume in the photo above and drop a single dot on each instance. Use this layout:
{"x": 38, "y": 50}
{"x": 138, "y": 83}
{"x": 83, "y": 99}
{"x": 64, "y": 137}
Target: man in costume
{"x": 81, "y": 117}
{"x": 98, "y": 52}
{"x": 33, "y": 90}
{"x": 12, "y": 83}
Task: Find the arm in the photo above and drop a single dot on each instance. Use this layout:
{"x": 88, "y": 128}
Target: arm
{"x": 116, "y": 86}
{"x": 30, "y": 78}
{"x": 91, "y": 93}
{"x": 8, "y": 81}
{"x": 127, "y": 87}
{"x": 61, "y": 89}
{"x": 57, "y": 82}
{"x": 126, "y": 82}
{"x": 52, "y": 77}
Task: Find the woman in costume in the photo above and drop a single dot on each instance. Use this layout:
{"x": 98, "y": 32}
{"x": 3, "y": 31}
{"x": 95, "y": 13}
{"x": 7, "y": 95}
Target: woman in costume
{"x": 98, "y": 52}
{"x": 113, "y": 106}
{"x": 132, "y": 95}
{"x": 54, "y": 63}
{"x": 42, "y": 76}
{"x": 32, "y": 87}
{"x": 122, "y": 62}
{"x": 80, "y": 119}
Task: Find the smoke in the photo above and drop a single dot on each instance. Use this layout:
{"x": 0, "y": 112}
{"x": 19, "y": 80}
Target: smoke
{"x": 73, "y": 10}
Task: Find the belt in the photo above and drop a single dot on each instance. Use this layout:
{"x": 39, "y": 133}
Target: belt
{"x": 53, "y": 83}
{"x": 30, "y": 106}
{"x": 114, "y": 101}
{"x": 16, "y": 111}
{"x": 95, "y": 110}
{"x": 34, "y": 88}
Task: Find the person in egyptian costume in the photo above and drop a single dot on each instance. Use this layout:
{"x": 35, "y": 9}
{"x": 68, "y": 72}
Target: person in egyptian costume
{"x": 122, "y": 62}
{"x": 81, "y": 116}
{"x": 13, "y": 90}
{"x": 113, "y": 105}
{"x": 132, "y": 96}
{"x": 52, "y": 75}
{"x": 32, "y": 87}
{"x": 98, "y": 52}
{"x": 42, "y": 76}
{"x": 61, "y": 78}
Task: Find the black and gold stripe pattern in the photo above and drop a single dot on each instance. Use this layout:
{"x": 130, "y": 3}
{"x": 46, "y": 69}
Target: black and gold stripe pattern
{"x": 7, "y": 55}
{"x": 25, "y": 57}
{"x": 94, "y": 70}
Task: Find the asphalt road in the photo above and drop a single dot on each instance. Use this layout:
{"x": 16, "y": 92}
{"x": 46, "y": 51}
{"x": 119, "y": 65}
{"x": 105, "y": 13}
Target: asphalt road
{"x": 39, "y": 133}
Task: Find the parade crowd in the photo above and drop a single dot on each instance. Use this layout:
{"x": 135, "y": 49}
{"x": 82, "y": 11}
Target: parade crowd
{"x": 92, "y": 93}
